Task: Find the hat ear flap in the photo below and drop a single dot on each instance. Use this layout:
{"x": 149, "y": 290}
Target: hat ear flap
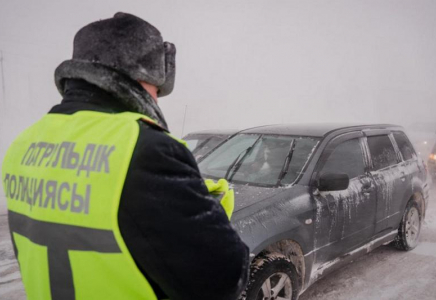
{"x": 170, "y": 70}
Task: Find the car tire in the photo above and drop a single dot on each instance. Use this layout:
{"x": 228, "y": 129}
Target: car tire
{"x": 272, "y": 276}
{"x": 410, "y": 228}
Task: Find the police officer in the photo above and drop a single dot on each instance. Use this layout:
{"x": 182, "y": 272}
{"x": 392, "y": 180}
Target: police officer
{"x": 103, "y": 202}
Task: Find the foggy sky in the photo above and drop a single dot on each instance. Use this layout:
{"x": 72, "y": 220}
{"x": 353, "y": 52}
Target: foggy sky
{"x": 242, "y": 63}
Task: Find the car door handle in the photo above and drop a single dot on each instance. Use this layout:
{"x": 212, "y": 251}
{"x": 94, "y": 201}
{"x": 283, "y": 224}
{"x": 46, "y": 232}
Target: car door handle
{"x": 367, "y": 191}
{"x": 403, "y": 176}
{"x": 367, "y": 188}
{"x": 366, "y": 184}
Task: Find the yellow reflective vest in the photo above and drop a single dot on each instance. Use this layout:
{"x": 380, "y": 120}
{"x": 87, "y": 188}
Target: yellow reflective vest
{"x": 63, "y": 179}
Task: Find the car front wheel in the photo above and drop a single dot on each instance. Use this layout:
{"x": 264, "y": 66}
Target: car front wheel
{"x": 272, "y": 277}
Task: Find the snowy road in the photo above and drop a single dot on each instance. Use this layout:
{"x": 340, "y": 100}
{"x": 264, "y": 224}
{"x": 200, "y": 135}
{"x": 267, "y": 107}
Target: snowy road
{"x": 382, "y": 274}
{"x": 11, "y": 287}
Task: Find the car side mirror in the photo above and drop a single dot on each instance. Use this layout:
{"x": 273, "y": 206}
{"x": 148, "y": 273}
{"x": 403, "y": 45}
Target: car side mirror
{"x": 333, "y": 182}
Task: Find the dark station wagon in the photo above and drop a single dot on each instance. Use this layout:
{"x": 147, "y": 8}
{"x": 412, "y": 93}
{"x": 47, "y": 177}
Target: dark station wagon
{"x": 311, "y": 198}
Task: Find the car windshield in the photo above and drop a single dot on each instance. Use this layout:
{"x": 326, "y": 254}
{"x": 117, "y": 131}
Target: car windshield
{"x": 263, "y": 160}
{"x": 202, "y": 144}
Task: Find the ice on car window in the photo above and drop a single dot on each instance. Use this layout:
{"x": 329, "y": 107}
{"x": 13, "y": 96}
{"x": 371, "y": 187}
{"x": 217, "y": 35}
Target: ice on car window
{"x": 217, "y": 164}
{"x": 404, "y": 145}
{"x": 382, "y": 151}
{"x": 261, "y": 159}
{"x": 304, "y": 147}
{"x": 203, "y": 144}
{"x": 208, "y": 145}
{"x": 266, "y": 162}
{"x": 346, "y": 158}
{"x": 192, "y": 143}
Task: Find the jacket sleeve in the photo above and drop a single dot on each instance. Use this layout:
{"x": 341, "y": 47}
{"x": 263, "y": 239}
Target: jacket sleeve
{"x": 179, "y": 236}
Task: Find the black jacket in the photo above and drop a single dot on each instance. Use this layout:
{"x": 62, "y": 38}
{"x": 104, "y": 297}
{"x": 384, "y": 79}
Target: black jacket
{"x": 178, "y": 235}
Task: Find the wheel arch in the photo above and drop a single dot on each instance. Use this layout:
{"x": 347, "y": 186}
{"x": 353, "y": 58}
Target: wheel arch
{"x": 401, "y": 242}
{"x": 291, "y": 249}
{"x": 418, "y": 196}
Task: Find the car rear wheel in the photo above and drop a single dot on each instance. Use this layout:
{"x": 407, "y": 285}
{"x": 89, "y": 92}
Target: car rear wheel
{"x": 410, "y": 228}
{"x": 272, "y": 277}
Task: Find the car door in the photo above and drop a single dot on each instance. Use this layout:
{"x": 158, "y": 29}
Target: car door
{"x": 390, "y": 179}
{"x": 409, "y": 168}
{"x": 345, "y": 219}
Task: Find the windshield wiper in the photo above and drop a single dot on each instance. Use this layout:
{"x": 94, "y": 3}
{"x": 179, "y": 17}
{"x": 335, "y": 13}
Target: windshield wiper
{"x": 287, "y": 163}
{"x": 238, "y": 161}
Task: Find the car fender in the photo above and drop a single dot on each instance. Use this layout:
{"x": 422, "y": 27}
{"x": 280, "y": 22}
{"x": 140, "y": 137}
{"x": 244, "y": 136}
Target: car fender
{"x": 294, "y": 241}
{"x": 418, "y": 193}
{"x": 293, "y": 235}
{"x": 284, "y": 219}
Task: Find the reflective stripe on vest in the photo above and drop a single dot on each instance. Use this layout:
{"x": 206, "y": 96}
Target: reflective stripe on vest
{"x": 63, "y": 179}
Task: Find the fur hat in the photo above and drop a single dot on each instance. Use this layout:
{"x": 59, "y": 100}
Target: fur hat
{"x": 114, "y": 54}
{"x": 130, "y": 45}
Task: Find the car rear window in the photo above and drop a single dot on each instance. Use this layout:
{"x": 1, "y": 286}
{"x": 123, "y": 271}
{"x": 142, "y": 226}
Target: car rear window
{"x": 404, "y": 145}
{"x": 382, "y": 151}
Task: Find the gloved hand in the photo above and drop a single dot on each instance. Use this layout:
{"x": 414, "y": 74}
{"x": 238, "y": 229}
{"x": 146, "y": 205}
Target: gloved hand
{"x": 221, "y": 190}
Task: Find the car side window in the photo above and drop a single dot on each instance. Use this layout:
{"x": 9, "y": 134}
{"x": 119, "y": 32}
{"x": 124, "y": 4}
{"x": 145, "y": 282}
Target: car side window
{"x": 382, "y": 151}
{"x": 346, "y": 158}
{"x": 404, "y": 145}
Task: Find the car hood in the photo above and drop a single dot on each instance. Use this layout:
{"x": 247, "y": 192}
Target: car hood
{"x": 246, "y": 195}
{"x": 249, "y": 199}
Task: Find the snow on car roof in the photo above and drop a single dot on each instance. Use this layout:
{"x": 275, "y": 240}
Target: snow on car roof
{"x": 313, "y": 129}
{"x": 214, "y": 132}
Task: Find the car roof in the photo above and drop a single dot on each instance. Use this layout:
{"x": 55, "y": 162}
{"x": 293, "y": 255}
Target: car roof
{"x": 315, "y": 129}
{"x": 214, "y": 132}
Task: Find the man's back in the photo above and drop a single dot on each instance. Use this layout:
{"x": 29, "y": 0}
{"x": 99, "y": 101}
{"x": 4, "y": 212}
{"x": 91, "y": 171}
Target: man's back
{"x": 63, "y": 179}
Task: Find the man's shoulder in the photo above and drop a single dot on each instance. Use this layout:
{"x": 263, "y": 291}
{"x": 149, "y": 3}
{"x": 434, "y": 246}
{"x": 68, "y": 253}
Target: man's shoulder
{"x": 150, "y": 132}
{"x": 152, "y": 138}
{"x": 157, "y": 150}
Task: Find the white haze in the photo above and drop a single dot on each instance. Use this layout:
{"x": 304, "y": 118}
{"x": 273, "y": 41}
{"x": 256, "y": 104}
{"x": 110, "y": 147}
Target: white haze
{"x": 242, "y": 63}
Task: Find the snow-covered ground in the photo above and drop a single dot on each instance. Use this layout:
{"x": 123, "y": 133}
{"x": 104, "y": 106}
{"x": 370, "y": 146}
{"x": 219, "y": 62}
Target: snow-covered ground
{"x": 3, "y": 208}
{"x": 384, "y": 274}
{"x": 11, "y": 287}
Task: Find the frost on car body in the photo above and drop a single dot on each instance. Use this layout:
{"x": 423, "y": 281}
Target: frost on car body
{"x": 290, "y": 203}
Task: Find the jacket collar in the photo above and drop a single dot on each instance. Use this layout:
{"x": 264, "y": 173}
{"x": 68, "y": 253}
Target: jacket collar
{"x": 126, "y": 90}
